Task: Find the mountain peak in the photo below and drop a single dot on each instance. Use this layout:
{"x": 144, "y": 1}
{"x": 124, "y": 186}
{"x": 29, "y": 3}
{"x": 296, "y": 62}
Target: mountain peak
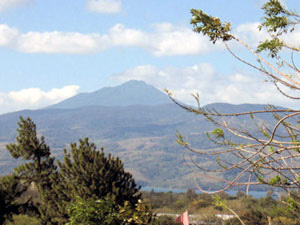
{"x": 134, "y": 82}
{"x": 133, "y": 92}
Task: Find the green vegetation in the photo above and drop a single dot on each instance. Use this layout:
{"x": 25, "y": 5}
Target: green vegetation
{"x": 85, "y": 172}
{"x": 107, "y": 212}
{"x": 10, "y": 190}
{"x": 91, "y": 188}
{"x": 204, "y": 207}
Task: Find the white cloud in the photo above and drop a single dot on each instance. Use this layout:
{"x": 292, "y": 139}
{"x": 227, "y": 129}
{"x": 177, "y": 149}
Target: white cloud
{"x": 122, "y": 36}
{"x": 250, "y": 34}
{"x": 104, "y": 6}
{"x": 173, "y": 40}
{"x": 61, "y": 42}
{"x": 5, "y": 4}
{"x": 165, "y": 40}
{"x": 8, "y": 35}
{"x": 34, "y": 98}
{"x": 213, "y": 87}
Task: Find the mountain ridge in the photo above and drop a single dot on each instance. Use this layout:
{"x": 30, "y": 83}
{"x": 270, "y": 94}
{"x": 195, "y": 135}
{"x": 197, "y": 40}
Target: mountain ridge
{"x": 133, "y": 92}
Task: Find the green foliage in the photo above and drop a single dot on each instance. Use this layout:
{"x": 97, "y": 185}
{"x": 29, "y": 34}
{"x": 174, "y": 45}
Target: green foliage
{"x": 139, "y": 215}
{"x": 164, "y": 220}
{"x": 275, "y": 180}
{"x": 39, "y": 169}
{"x": 93, "y": 212}
{"x": 10, "y": 190}
{"x": 191, "y": 194}
{"x": 88, "y": 173}
{"x": 107, "y": 212}
{"x": 257, "y": 211}
{"x": 276, "y": 16}
{"x": 278, "y": 20}
{"x": 24, "y": 219}
{"x": 30, "y": 147}
{"x": 251, "y": 211}
{"x": 218, "y": 133}
{"x": 162, "y": 200}
{"x": 273, "y": 46}
{"x": 210, "y": 26}
{"x": 180, "y": 140}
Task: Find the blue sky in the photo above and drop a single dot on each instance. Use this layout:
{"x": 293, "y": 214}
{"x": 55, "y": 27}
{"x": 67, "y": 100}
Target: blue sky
{"x": 51, "y": 50}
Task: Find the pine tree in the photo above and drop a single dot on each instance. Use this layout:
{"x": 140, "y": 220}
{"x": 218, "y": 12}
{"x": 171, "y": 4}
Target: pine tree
{"x": 40, "y": 170}
{"x": 88, "y": 173}
{"x": 10, "y": 191}
{"x": 30, "y": 148}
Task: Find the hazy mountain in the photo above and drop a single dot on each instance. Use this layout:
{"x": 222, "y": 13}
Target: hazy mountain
{"x": 130, "y": 93}
{"x": 142, "y": 135}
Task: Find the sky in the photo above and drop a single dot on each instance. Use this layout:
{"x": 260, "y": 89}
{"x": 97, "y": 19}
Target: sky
{"x": 51, "y": 50}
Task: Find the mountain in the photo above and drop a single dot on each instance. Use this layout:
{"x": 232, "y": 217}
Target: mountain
{"x": 130, "y": 93}
{"x": 142, "y": 135}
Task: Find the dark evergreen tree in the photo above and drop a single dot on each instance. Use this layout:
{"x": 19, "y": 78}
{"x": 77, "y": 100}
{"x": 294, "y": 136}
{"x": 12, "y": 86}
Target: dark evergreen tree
{"x": 39, "y": 168}
{"x": 10, "y": 191}
{"x": 33, "y": 149}
{"x": 90, "y": 174}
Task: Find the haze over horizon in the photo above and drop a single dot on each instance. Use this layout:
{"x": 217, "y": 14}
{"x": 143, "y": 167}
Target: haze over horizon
{"x": 53, "y": 50}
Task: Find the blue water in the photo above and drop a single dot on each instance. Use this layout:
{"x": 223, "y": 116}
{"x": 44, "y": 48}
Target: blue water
{"x": 254, "y": 194}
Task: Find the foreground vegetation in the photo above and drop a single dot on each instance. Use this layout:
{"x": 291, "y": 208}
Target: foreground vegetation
{"x": 201, "y": 207}
{"x": 85, "y": 183}
{"x": 92, "y": 188}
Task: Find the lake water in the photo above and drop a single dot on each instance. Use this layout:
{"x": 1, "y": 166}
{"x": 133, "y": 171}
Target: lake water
{"x": 255, "y": 194}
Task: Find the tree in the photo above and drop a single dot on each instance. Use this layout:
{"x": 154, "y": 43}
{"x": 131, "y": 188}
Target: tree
{"x": 40, "y": 167}
{"x": 29, "y": 147}
{"x": 88, "y": 173}
{"x": 10, "y": 191}
{"x": 85, "y": 172}
{"x": 270, "y": 154}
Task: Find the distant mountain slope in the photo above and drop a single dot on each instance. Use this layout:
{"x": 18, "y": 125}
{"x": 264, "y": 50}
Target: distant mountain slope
{"x": 130, "y": 93}
{"x": 134, "y": 121}
{"x": 143, "y": 136}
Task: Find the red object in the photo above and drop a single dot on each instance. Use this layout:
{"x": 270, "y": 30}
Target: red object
{"x": 183, "y": 218}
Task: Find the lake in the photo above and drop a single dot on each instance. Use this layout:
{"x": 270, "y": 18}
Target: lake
{"x": 255, "y": 194}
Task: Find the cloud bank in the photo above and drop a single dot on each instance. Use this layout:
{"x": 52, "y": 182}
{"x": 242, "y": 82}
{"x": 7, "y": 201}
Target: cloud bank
{"x": 34, "y": 98}
{"x": 165, "y": 40}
